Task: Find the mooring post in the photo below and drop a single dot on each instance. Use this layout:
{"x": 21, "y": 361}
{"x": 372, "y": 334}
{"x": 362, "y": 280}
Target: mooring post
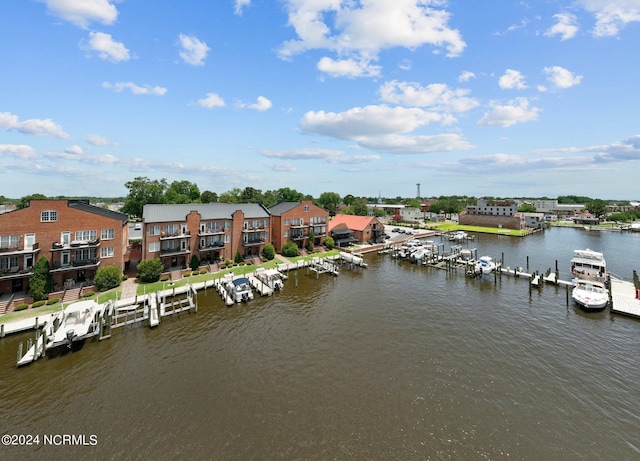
{"x": 2, "y": 331}
{"x": 19, "y": 351}
{"x": 566, "y": 287}
{"x": 36, "y": 325}
{"x": 35, "y": 349}
{"x": 527, "y": 263}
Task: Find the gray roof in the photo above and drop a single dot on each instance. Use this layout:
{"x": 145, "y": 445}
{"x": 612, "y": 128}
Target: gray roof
{"x": 178, "y": 212}
{"x": 85, "y": 206}
{"x": 282, "y": 207}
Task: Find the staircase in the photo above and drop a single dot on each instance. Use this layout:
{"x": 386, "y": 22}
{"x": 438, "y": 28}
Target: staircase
{"x": 4, "y": 305}
{"x": 70, "y": 295}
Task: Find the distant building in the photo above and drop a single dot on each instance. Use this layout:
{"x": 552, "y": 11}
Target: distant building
{"x": 493, "y": 208}
{"x": 412, "y": 214}
{"x": 296, "y": 222}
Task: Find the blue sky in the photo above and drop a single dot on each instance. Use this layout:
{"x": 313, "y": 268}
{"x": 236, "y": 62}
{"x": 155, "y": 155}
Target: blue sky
{"x": 362, "y": 97}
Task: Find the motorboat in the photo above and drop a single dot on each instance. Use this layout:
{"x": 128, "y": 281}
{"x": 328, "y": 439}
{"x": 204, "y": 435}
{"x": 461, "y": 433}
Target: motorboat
{"x": 458, "y": 236}
{"x": 590, "y": 294}
{"x": 271, "y": 278}
{"x": 78, "y": 322}
{"x": 485, "y": 265}
{"x": 239, "y": 289}
{"x": 634, "y": 227}
{"x": 588, "y": 264}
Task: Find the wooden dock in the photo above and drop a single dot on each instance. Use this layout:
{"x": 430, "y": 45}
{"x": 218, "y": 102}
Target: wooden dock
{"x": 624, "y": 298}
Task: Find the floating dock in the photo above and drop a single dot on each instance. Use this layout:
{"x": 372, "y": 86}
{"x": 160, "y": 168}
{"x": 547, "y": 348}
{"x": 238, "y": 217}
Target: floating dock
{"x": 624, "y": 298}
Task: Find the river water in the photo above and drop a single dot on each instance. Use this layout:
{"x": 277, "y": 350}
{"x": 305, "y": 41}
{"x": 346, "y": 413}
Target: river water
{"x": 391, "y": 362}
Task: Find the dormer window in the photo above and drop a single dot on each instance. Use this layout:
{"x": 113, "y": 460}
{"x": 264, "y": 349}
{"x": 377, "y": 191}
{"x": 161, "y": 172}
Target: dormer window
{"x": 48, "y": 216}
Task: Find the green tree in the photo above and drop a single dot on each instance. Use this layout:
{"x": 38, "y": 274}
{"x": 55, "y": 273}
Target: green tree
{"x": 24, "y": 201}
{"x": 149, "y": 270}
{"x": 597, "y": 207}
{"x": 269, "y": 252}
{"x": 348, "y": 199}
{"x": 329, "y": 201}
{"x": 527, "y": 208}
{"x": 231, "y": 196}
{"x": 108, "y": 277}
{"x": 329, "y": 242}
{"x": 250, "y": 195}
{"x": 208, "y": 197}
{"x": 142, "y": 191}
{"x": 311, "y": 240}
{"x": 290, "y": 250}
{"x": 360, "y": 207}
{"x": 270, "y": 198}
{"x": 195, "y": 263}
{"x": 290, "y": 195}
{"x": 238, "y": 258}
{"x": 40, "y": 284}
{"x": 182, "y": 192}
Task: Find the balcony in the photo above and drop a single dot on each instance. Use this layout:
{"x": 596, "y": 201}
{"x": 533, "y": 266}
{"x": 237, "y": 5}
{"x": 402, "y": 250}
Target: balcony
{"x": 76, "y": 245}
{"x": 16, "y": 272}
{"x": 76, "y": 264}
{"x": 298, "y": 237}
{"x": 174, "y": 251}
{"x": 211, "y": 245}
{"x": 207, "y": 231}
{"x": 176, "y": 235}
{"x": 254, "y": 242}
{"x": 17, "y": 250}
{"x": 299, "y": 226}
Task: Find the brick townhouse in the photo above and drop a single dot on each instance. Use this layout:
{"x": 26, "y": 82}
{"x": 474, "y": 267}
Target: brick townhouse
{"x": 364, "y": 229}
{"x": 296, "y": 221}
{"x": 211, "y": 231}
{"x": 74, "y": 236}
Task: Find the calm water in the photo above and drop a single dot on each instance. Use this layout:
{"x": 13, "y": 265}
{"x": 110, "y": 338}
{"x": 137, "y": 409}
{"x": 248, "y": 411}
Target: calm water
{"x": 392, "y": 362}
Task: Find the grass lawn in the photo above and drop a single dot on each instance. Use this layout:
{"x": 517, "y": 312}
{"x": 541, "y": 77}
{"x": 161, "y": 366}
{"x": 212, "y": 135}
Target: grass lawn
{"x": 446, "y": 227}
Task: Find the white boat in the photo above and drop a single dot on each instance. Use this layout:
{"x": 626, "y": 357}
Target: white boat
{"x": 239, "y": 289}
{"x": 634, "y": 227}
{"x": 458, "y": 236}
{"x": 485, "y": 265}
{"x": 590, "y": 294}
{"x": 588, "y": 264}
{"x": 270, "y": 277}
{"x": 79, "y": 322}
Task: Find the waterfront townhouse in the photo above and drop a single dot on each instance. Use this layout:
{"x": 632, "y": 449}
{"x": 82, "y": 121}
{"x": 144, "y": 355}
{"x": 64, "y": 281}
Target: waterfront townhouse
{"x": 297, "y": 222}
{"x": 364, "y": 229}
{"x": 74, "y": 236}
{"x": 211, "y": 231}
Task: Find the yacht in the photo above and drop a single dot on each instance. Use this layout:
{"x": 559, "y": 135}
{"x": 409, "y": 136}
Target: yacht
{"x": 79, "y": 321}
{"x": 239, "y": 289}
{"x": 485, "y": 265}
{"x": 588, "y": 264}
{"x": 590, "y": 294}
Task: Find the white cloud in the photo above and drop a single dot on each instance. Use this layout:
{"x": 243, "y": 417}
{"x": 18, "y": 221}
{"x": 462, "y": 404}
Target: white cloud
{"x": 436, "y": 95}
{"x": 358, "y": 31}
{"x": 34, "y": 126}
{"x": 98, "y": 140}
{"x": 74, "y": 150}
{"x": 83, "y": 12}
{"x": 399, "y": 144}
{"x": 21, "y": 151}
{"x": 262, "y": 104}
{"x": 282, "y": 167}
{"x": 512, "y": 79}
{"x": 193, "y": 51}
{"x": 466, "y": 75}
{"x": 135, "y": 89}
{"x": 611, "y": 15}
{"x": 516, "y": 111}
{"x": 212, "y": 100}
{"x": 303, "y": 154}
{"x": 565, "y": 26}
{"x": 561, "y": 77}
{"x": 240, "y": 4}
{"x": 106, "y": 47}
{"x": 347, "y": 68}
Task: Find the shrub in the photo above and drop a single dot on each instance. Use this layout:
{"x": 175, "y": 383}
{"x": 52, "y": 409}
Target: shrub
{"x": 20, "y": 307}
{"x": 125, "y": 277}
{"x": 164, "y": 278}
{"x": 290, "y": 249}
{"x": 88, "y": 294}
{"x": 269, "y": 252}
{"x": 195, "y": 263}
{"x": 238, "y": 258}
{"x": 149, "y": 270}
{"x": 39, "y": 303}
{"x": 329, "y": 243}
{"x": 187, "y": 274}
{"x": 203, "y": 271}
{"x": 227, "y": 262}
{"x": 108, "y": 277}
{"x": 53, "y": 301}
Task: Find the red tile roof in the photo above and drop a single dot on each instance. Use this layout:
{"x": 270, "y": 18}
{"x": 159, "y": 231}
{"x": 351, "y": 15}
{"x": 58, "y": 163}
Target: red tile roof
{"x": 357, "y": 223}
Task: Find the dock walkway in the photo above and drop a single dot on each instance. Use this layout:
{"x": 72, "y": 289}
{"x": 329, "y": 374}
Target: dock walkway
{"x": 623, "y": 298}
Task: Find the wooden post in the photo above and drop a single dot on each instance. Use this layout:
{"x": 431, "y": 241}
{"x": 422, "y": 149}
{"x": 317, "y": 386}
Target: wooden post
{"x": 567, "y": 292}
{"x": 36, "y": 325}
{"x": 527, "y": 263}
{"x": 35, "y": 349}
{"x": 19, "y": 352}
{"x": 2, "y": 331}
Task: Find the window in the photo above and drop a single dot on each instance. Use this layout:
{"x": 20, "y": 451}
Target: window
{"x": 306, "y": 208}
{"x": 49, "y": 216}
{"x": 286, "y": 221}
{"x": 106, "y": 252}
{"x": 107, "y": 234}
{"x": 85, "y": 255}
{"x": 171, "y": 229}
{"x": 286, "y": 232}
{"x": 8, "y": 262}
{"x": 86, "y": 235}
{"x": 154, "y": 230}
{"x": 154, "y": 247}
{"x": 9, "y": 241}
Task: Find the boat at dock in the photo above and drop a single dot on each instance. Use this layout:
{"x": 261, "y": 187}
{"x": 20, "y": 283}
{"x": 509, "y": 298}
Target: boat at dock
{"x": 239, "y": 289}
{"x": 590, "y": 295}
{"x": 272, "y": 278}
{"x": 588, "y": 265}
{"x": 485, "y": 265}
{"x": 78, "y": 322}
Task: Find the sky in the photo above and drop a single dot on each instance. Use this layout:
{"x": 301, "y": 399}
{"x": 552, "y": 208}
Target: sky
{"x": 364, "y": 97}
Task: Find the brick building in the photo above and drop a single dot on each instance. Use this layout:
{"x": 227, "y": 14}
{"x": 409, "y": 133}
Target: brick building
{"x": 295, "y": 221}
{"x": 74, "y": 236}
{"x": 211, "y": 231}
{"x": 365, "y": 228}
